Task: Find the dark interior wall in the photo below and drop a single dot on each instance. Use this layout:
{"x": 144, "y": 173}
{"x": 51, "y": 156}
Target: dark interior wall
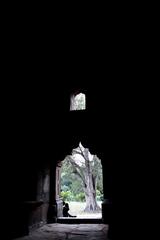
{"x": 40, "y": 132}
{"x": 35, "y": 112}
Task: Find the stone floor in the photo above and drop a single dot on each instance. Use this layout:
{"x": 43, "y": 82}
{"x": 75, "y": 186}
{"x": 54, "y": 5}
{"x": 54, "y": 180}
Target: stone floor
{"x": 69, "y": 231}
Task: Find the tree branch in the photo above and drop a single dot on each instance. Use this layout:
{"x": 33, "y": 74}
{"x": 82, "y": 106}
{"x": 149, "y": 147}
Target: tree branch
{"x": 75, "y": 166}
{"x": 86, "y": 158}
{"x": 80, "y": 153}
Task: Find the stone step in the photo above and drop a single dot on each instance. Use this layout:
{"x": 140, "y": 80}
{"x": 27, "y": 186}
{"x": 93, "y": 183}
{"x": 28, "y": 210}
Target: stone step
{"x": 79, "y": 220}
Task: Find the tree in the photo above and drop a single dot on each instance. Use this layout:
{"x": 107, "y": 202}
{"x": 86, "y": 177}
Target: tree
{"x": 86, "y": 167}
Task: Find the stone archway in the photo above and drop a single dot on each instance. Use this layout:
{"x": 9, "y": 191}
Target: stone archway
{"x": 65, "y": 147}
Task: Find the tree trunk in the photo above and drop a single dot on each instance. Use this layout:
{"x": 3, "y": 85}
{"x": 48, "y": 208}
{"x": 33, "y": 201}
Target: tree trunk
{"x": 88, "y": 179}
{"x": 90, "y": 195}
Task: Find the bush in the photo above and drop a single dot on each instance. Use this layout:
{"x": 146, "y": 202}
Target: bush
{"x": 67, "y": 196}
{"x": 80, "y": 197}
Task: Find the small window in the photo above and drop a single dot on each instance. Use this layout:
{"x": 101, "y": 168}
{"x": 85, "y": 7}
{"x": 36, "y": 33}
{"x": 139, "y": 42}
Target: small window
{"x": 78, "y": 102}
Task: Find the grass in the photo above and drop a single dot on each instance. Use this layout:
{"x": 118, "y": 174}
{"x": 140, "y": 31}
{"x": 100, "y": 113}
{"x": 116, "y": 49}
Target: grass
{"x": 77, "y": 208}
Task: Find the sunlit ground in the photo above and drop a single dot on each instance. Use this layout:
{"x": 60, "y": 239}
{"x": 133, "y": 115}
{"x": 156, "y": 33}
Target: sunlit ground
{"x": 76, "y": 209}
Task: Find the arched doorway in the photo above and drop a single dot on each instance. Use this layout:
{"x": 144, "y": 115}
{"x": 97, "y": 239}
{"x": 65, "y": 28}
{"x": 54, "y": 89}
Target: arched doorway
{"x": 79, "y": 181}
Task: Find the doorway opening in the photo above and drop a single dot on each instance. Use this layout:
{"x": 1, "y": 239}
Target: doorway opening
{"x": 81, "y": 184}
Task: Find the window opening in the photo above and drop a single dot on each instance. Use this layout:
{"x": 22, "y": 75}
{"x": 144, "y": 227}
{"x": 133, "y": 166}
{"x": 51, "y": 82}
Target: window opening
{"x": 78, "y": 102}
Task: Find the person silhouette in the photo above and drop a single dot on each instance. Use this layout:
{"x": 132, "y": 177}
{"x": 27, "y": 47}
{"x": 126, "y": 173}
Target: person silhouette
{"x": 65, "y": 210}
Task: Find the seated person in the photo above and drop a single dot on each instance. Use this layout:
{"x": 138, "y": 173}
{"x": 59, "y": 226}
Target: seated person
{"x": 65, "y": 210}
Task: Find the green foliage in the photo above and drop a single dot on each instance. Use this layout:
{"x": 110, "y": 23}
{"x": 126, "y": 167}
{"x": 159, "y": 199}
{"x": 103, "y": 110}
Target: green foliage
{"x": 64, "y": 188}
{"x": 80, "y": 197}
{"x": 67, "y": 196}
{"x": 97, "y": 171}
{"x": 99, "y": 195}
{"x": 69, "y": 181}
{"x": 71, "y": 184}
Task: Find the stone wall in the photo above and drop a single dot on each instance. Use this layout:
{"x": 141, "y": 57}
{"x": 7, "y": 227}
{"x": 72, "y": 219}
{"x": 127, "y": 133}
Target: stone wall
{"x": 42, "y": 133}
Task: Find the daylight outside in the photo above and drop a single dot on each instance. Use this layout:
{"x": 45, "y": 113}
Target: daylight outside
{"x": 82, "y": 183}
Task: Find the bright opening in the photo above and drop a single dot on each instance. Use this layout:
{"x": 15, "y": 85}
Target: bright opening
{"x": 81, "y": 183}
{"x": 78, "y": 102}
